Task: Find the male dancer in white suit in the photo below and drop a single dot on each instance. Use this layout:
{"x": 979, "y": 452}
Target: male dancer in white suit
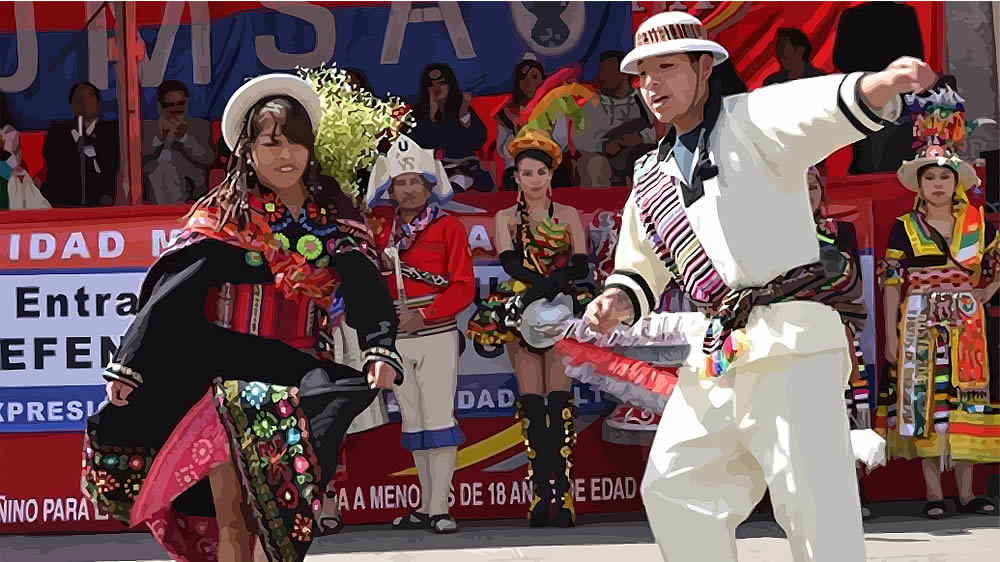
{"x": 722, "y": 208}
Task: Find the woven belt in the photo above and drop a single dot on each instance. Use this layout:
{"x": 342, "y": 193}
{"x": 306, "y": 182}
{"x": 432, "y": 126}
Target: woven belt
{"x": 724, "y": 338}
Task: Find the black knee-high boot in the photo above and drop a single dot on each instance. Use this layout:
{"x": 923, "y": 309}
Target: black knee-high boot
{"x": 562, "y": 428}
{"x": 531, "y": 410}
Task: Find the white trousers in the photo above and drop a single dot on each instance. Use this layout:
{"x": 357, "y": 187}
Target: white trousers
{"x": 777, "y": 423}
{"x": 427, "y": 396}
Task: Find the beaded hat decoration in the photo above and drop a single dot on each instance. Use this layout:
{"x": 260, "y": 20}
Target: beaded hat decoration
{"x": 940, "y": 130}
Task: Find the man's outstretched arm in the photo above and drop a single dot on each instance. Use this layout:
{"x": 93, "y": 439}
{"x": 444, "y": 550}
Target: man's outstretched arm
{"x": 798, "y": 123}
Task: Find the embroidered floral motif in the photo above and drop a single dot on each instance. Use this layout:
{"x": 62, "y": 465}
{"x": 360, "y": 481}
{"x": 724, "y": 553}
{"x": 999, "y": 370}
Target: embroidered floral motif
{"x": 317, "y": 214}
{"x": 131, "y": 487}
{"x": 186, "y": 475}
{"x": 254, "y": 259}
{"x": 282, "y": 469}
{"x": 302, "y": 529}
{"x": 278, "y": 393}
{"x": 105, "y": 482}
{"x": 288, "y": 496}
{"x": 201, "y": 452}
{"x": 283, "y": 241}
{"x": 265, "y": 425}
{"x": 136, "y": 463}
{"x": 113, "y": 476}
{"x": 255, "y": 394}
{"x": 284, "y": 408}
{"x": 309, "y": 246}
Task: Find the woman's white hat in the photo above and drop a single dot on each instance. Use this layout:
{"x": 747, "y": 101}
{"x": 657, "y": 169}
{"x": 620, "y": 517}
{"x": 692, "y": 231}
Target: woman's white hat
{"x": 670, "y": 33}
{"x": 406, "y": 156}
{"x": 234, "y": 117}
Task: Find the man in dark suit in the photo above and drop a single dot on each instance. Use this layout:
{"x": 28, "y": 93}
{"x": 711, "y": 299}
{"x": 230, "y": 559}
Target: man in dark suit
{"x": 82, "y": 169}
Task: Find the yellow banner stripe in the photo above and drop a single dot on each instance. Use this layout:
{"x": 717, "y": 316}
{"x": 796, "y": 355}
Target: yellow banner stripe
{"x": 481, "y": 450}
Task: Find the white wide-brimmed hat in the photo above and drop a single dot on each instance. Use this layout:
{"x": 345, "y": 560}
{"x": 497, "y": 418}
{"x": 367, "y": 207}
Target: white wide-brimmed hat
{"x": 406, "y": 156}
{"x": 235, "y": 115}
{"x": 937, "y": 155}
{"x": 671, "y": 33}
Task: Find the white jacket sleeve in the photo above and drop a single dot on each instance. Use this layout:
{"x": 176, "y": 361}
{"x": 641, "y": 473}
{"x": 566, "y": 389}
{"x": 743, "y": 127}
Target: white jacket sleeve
{"x": 639, "y": 272}
{"x": 799, "y": 123}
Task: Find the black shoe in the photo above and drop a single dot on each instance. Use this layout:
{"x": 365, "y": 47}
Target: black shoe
{"x": 443, "y": 524}
{"x": 412, "y": 520}
{"x": 939, "y": 507}
{"x": 980, "y": 506}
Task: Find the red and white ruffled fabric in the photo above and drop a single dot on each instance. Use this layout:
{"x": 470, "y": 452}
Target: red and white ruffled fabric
{"x": 592, "y": 358}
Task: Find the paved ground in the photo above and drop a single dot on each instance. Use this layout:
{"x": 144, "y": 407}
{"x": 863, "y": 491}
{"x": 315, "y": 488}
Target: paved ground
{"x": 891, "y": 537}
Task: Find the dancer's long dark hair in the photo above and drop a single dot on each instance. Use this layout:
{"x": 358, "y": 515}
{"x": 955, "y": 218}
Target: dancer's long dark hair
{"x": 231, "y": 197}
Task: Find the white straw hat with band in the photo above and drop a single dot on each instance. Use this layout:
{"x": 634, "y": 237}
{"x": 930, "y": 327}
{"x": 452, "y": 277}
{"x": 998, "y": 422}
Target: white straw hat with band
{"x": 671, "y": 33}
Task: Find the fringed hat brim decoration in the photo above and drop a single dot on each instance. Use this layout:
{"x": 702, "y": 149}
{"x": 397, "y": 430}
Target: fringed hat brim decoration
{"x": 352, "y": 125}
{"x": 535, "y": 139}
{"x": 939, "y": 131}
{"x": 406, "y": 156}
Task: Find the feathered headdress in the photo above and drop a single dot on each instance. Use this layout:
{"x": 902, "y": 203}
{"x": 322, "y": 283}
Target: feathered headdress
{"x": 940, "y": 131}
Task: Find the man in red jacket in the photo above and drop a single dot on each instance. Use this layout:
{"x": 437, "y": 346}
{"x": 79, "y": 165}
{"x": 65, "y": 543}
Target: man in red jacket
{"x": 428, "y": 266}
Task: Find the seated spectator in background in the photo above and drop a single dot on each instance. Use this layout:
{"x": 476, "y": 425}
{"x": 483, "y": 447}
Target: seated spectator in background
{"x": 85, "y": 142}
{"x": 17, "y": 189}
{"x": 176, "y": 150}
{"x": 794, "y": 53}
{"x": 615, "y": 123}
{"x": 446, "y": 122}
{"x": 528, "y": 76}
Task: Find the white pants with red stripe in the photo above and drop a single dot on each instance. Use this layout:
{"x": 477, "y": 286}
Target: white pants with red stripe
{"x": 777, "y": 423}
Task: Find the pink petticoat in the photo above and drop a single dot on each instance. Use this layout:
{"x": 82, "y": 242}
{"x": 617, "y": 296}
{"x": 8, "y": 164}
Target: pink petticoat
{"x": 277, "y": 468}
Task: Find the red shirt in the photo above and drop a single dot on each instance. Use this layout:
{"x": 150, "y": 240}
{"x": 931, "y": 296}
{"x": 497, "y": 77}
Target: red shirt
{"x": 442, "y": 249}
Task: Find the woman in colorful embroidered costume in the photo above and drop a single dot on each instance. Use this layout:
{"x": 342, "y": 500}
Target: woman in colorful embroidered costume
{"x": 226, "y": 410}
{"x": 543, "y": 249}
{"x": 941, "y": 267}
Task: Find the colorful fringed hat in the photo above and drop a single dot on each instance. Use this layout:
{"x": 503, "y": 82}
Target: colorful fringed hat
{"x": 939, "y": 132}
{"x": 535, "y": 139}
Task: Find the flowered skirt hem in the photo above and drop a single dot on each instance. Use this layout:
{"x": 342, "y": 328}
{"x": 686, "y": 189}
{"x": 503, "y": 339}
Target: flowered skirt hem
{"x": 278, "y": 472}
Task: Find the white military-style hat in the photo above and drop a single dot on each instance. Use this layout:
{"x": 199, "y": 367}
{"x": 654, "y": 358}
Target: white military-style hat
{"x": 406, "y": 156}
{"x": 670, "y": 33}
{"x": 235, "y": 115}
